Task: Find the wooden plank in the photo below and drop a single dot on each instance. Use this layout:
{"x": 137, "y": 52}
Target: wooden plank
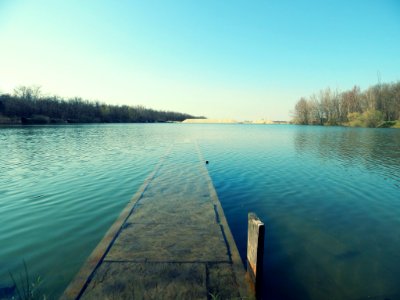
{"x": 255, "y": 250}
{"x": 171, "y": 242}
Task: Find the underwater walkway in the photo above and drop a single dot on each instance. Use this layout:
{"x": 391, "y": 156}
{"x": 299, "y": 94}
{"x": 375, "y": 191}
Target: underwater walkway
{"x": 172, "y": 241}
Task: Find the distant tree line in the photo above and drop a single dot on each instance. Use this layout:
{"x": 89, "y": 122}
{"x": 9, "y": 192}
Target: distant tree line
{"x": 377, "y": 106}
{"x": 27, "y": 105}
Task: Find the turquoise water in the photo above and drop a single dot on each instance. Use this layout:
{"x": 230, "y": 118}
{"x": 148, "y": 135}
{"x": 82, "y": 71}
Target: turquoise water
{"x": 330, "y": 198}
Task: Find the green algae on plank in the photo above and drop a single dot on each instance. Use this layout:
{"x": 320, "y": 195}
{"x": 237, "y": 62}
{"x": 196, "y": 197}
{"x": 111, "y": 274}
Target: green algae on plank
{"x": 174, "y": 243}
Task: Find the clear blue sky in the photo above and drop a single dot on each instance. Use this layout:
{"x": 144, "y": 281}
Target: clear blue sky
{"x": 222, "y": 59}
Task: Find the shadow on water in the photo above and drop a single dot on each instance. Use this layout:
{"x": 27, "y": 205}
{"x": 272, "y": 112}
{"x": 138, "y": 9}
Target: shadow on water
{"x": 278, "y": 279}
{"x": 279, "y": 276}
{"x": 7, "y": 291}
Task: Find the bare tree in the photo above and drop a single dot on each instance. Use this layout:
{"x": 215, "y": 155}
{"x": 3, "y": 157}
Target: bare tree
{"x": 302, "y": 112}
{"x": 28, "y": 92}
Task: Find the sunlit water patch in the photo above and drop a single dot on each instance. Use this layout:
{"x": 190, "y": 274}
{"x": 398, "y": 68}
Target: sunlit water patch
{"x": 329, "y": 197}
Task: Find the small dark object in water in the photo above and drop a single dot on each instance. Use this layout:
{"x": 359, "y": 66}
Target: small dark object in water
{"x": 206, "y": 162}
{"x": 7, "y": 291}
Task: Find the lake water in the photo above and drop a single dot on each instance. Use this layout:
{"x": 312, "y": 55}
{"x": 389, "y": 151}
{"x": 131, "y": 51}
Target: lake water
{"x": 329, "y": 196}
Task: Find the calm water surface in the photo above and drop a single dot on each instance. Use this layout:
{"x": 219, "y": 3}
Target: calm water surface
{"x": 330, "y": 198}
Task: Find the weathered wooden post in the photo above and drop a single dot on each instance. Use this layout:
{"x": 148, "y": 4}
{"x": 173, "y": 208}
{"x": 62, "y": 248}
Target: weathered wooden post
{"x": 255, "y": 251}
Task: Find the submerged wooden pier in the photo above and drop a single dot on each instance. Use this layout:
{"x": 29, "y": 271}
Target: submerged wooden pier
{"x": 171, "y": 241}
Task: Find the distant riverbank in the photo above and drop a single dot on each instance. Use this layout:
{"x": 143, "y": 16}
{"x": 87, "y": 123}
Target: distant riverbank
{"x": 28, "y": 106}
{"x": 377, "y": 107}
{"x": 230, "y": 121}
{"x": 45, "y": 120}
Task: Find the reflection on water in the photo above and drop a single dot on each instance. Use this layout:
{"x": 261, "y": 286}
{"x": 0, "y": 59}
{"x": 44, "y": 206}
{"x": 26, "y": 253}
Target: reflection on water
{"x": 329, "y": 197}
{"x": 330, "y": 200}
{"x": 369, "y": 148}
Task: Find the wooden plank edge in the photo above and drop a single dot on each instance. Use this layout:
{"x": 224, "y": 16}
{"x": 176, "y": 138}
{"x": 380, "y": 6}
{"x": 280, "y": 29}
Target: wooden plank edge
{"x": 77, "y": 286}
{"x": 243, "y": 281}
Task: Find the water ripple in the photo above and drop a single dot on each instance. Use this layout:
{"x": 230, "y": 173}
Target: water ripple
{"x": 329, "y": 197}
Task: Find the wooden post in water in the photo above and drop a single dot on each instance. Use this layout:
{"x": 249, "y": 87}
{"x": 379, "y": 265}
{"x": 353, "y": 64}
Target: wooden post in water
{"x": 255, "y": 251}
